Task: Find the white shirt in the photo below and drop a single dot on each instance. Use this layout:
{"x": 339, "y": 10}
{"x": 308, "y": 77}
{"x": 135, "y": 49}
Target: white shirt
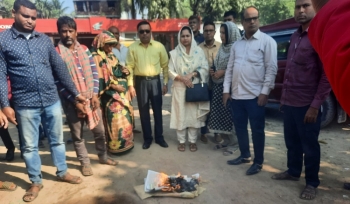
{"x": 252, "y": 67}
{"x": 121, "y": 55}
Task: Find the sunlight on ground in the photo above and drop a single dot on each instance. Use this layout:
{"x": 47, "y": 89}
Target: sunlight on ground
{"x": 272, "y": 134}
{"x": 270, "y": 169}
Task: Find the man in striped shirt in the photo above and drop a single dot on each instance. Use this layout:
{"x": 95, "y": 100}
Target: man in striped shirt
{"x": 83, "y": 71}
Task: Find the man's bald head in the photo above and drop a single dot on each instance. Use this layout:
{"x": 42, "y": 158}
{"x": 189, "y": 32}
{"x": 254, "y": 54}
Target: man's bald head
{"x": 115, "y": 32}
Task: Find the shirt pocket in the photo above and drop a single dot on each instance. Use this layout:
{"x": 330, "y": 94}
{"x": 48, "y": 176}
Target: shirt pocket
{"x": 255, "y": 56}
{"x": 41, "y": 56}
{"x": 303, "y": 55}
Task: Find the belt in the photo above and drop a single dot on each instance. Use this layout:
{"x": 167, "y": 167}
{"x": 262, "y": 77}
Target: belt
{"x": 147, "y": 78}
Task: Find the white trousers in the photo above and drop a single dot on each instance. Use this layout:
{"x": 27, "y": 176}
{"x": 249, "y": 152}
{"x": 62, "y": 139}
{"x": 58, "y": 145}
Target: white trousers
{"x": 192, "y": 134}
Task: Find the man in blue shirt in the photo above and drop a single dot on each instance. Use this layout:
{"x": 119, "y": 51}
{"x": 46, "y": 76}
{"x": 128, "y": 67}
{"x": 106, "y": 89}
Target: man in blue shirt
{"x": 195, "y": 23}
{"x": 32, "y": 64}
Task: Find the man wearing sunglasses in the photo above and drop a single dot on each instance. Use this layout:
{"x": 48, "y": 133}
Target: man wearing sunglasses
{"x": 251, "y": 72}
{"x": 146, "y": 59}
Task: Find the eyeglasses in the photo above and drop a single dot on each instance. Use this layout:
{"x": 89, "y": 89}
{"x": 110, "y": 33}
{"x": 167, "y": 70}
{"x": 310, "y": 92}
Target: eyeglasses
{"x": 144, "y": 31}
{"x": 248, "y": 20}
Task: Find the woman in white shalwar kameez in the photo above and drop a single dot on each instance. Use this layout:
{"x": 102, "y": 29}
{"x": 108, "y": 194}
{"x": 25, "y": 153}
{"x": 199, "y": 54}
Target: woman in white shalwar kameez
{"x": 187, "y": 66}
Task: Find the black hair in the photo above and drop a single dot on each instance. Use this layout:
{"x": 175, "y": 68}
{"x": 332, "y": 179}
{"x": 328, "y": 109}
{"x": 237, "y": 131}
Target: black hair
{"x": 244, "y": 10}
{"x": 209, "y": 23}
{"x": 143, "y": 23}
{"x": 66, "y": 20}
{"x": 226, "y": 32}
{"x": 186, "y": 28}
{"x": 24, "y": 3}
{"x": 112, "y": 27}
{"x": 231, "y": 13}
{"x": 194, "y": 17}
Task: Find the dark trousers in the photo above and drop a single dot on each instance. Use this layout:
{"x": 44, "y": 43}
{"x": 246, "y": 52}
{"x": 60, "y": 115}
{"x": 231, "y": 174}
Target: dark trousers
{"x": 302, "y": 143}
{"x": 204, "y": 129}
{"x": 244, "y": 110}
{"x": 150, "y": 91}
{"x": 6, "y": 138}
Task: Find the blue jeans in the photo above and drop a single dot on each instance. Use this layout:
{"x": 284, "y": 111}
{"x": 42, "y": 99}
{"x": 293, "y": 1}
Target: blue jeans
{"x": 242, "y": 111}
{"x": 29, "y": 119}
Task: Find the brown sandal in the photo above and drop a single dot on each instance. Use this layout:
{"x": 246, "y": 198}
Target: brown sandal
{"x": 110, "y": 162}
{"x": 309, "y": 193}
{"x": 70, "y": 179}
{"x": 284, "y": 176}
{"x": 7, "y": 186}
{"x": 86, "y": 170}
{"x": 32, "y": 192}
{"x": 181, "y": 147}
{"x": 193, "y": 147}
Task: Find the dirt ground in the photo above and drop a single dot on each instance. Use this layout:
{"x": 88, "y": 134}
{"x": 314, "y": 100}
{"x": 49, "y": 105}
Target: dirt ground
{"x": 225, "y": 183}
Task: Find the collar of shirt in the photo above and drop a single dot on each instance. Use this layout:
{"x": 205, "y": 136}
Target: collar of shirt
{"x": 300, "y": 30}
{"x": 256, "y": 35}
{"x": 215, "y": 44}
{"x": 16, "y": 33}
{"x": 140, "y": 43}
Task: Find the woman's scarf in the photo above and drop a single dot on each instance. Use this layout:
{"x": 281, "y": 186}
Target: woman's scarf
{"x": 103, "y": 59}
{"x": 221, "y": 60}
{"x": 83, "y": 80}
{"x": 187, "y": 63}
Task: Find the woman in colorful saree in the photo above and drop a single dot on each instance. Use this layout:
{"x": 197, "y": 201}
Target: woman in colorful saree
{"x": 115, "y": 99}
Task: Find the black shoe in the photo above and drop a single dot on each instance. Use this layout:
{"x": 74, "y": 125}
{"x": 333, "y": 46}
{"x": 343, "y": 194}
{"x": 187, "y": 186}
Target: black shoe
{"x": 254, "y": 169}
{"x": 146, "y": 145}
{"x": 10, "y": 155}
{"x": 238, "y": 161}
{"x": 162, "y": 144}
{"x": 347, "y": 186}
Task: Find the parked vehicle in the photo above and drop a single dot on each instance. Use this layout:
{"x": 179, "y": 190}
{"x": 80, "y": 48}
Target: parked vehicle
{"x": 282, "y": 32}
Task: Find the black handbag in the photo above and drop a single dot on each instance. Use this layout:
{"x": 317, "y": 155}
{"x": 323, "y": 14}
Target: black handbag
{"x": 199, "y": 93}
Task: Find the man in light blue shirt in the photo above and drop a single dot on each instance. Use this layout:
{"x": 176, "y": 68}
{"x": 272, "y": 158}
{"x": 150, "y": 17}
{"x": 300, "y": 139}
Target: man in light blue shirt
{"x": 120, "y": 51}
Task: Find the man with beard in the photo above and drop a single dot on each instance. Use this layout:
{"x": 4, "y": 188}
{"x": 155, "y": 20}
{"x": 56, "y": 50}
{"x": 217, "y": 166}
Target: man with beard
{"x": 32, "y": 64}
{"x": 305, "y": 88}
{"x": 81, "y": 65}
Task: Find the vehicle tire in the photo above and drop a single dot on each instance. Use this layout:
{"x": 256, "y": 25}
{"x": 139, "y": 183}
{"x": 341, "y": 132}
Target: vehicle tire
{"x": 329, "y": 108}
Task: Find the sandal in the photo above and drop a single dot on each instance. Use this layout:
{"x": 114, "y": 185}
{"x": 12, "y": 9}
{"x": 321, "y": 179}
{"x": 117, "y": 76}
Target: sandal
{"x": 8, "y": 186}
{"x": 218, "y": 138}
{"x": 284, "y": 176}
{"x": 230, "y": 150}
{"x": 32, "y": 192}
{"x": 181, "y": 147}
{"x": 70, "y": 179}
{"x": 193, "y": 147}
{"x": 110, "y": 162}
{"x": 309, "y": 193}
{"x": 86, "y": 170}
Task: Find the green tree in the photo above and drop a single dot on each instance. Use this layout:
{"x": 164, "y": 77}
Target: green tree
{"x": 57, "y": 9}
{"x": 6, "y": 7}
{"x": 50, "y": 8}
